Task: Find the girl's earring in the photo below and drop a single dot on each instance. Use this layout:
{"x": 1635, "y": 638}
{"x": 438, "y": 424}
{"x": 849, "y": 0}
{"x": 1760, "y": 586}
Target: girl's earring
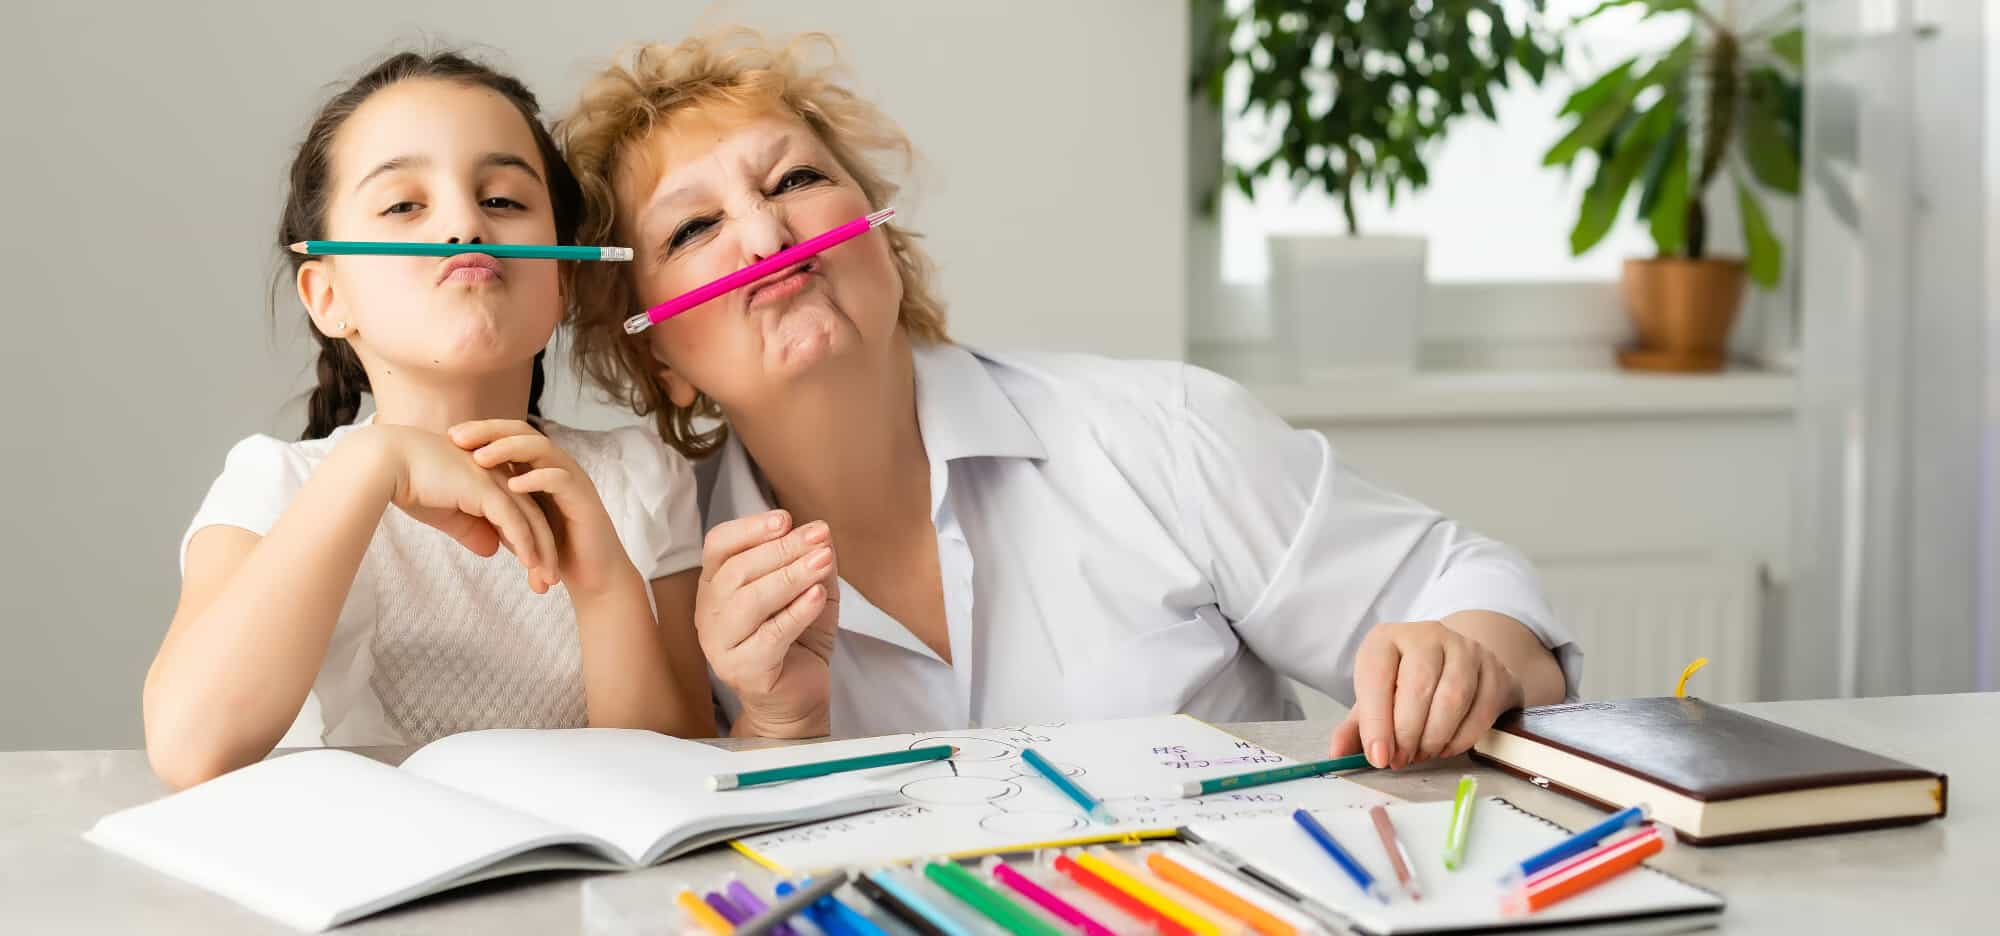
{"x": 340, "y": 328}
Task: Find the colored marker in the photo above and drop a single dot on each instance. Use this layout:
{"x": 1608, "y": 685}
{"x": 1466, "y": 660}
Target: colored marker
{"x": 1340, "y": 856}
{"x": 1461, "y": 822}
{"x": 1576, "y": 844}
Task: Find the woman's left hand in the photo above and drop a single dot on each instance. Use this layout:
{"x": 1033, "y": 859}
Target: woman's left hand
{"x": 1422, "y": 690}
{"x": 590, "y": 557}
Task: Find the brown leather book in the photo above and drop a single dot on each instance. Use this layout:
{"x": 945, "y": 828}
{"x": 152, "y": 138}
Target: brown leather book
{"x": 1716, "y": 775}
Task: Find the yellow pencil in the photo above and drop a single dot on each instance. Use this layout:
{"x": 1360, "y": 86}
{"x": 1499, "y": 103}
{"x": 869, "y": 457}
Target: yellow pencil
{"x": 1122, "y": 876}
{"x": 703, "y": 914}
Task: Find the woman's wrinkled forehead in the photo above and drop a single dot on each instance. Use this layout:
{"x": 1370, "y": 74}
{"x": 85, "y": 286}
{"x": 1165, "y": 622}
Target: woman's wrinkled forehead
{"x": 699, "y": 149}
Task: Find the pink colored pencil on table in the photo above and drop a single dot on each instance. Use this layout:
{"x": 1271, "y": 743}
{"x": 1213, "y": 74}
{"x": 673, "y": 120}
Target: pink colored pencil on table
{"x": 795, "y": 254}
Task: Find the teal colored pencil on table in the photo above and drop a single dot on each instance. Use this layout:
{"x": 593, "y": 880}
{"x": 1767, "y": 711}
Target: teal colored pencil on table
{"x": 323, "y": 248}
{"x": 933, "y": 752}
{"x": 1273, "y": 775}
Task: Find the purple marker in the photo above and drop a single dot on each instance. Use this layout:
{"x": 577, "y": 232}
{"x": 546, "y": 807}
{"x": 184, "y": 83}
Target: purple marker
{"x": 747, "y": 899}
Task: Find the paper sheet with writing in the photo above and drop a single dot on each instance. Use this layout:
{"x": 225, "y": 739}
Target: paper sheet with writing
{"x": 986, "y": 799}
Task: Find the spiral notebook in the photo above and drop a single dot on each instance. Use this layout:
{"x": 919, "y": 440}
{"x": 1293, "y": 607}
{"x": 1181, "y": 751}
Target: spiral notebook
{"x": 1466, "y": 900}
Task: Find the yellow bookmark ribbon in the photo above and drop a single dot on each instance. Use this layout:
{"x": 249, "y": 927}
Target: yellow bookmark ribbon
{"x": 1681, "y": 687}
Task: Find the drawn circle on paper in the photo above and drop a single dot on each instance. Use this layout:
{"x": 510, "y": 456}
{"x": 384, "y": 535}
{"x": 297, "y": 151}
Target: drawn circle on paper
{"x": 1067, "y": 770}
{"x": 970, "y": 749}
{"x": 958, "y": 791}
{"x": 1032, "y": 826}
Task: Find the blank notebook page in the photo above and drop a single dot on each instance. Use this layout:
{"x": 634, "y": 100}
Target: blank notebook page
{"x": 1468, "y": 898}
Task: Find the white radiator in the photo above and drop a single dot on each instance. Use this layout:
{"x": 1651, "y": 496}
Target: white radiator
{"x": 1641, "y": 620}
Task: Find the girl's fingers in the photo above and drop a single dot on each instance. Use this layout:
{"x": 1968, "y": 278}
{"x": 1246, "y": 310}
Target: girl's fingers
{"x": 476, "y": 433}
{"x": 1457, "y": 689}
{"x": 535, "y": 451}
{"x": 499, "y": 508}
{"x": 545, "y": 538}
{"x": 554, "y": 482}
{"x": 735, "y": 536}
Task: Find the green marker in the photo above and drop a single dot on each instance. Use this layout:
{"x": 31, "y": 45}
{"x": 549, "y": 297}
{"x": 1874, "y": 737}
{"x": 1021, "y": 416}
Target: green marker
{"x": 822, "y": 768}
{"x": 1273, "y": 775}
{"x": 990, "y": 903}
{"x": 1461, "y": 822}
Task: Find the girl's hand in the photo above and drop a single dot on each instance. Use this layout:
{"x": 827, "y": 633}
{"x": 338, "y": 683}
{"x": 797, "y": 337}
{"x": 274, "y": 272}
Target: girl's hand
{"x": 591, "y": 556}
{"x": 1422, "y": 690}
{"x": 439, "y": 484}
{"x": 766, "y": 613}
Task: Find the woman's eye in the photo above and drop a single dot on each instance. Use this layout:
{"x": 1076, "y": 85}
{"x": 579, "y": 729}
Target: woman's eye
{"x": 502, "y": 202}
{"x": 689, "y": 231}
{"x": 402, "y": 207}
{"x": 798, "y": 177}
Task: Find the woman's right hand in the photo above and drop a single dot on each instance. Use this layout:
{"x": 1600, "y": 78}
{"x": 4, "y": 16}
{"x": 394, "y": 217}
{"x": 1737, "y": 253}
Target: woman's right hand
{"x": 440, "y": 484}
{"x": 766, "y": 614}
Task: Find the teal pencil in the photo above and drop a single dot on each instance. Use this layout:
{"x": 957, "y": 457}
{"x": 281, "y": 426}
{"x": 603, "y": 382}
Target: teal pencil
{"x": 321, "y": 248}
{"x": 1273, "y": 775}
{"x": 822, "y": 768}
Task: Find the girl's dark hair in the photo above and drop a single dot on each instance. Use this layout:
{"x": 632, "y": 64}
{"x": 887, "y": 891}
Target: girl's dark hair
{"x": 337, "y": 398}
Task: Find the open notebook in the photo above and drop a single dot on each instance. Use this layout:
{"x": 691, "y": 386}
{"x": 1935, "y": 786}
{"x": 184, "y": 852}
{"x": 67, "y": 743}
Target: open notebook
{"x": 318, "y": 838}
{"x": 1464, "y": 900}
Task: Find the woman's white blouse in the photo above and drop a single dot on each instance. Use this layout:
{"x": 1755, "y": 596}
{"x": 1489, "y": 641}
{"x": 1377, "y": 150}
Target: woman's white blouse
{"x": 1129, "y": 538}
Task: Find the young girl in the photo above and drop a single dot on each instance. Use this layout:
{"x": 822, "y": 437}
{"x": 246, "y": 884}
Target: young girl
{"x": 313, "y": 613}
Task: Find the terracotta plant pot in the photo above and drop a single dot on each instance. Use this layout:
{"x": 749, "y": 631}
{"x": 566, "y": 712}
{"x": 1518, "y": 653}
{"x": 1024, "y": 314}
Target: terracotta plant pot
{"x": 1684, "y": 309}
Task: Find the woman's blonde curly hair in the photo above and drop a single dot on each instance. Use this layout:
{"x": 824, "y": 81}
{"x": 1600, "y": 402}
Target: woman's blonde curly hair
{"x": 735, "y": 69}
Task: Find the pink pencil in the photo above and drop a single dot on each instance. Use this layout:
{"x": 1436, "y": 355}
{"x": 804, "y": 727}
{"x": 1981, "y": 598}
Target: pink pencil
{"x": 756, "y": 271}
{"x": 1062, "y": 909}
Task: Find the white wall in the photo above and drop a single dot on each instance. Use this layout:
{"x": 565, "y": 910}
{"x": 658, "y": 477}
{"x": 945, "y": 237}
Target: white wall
{"x": 155, "y": 136}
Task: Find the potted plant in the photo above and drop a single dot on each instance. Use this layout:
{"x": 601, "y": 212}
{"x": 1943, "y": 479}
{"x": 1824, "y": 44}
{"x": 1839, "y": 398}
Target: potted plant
{"x": 1355, "y": 95}
{"x": 1664, "y": 128}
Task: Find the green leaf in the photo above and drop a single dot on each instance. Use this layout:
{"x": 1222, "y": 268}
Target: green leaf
{"x": 1652, "y": 7}
{"x": 1589, "y": 96}
{"x": 1673, "y": 141}
{"x": 1790, "y": 45}
{"x": 1591, "y": 130}
{"x": 1668, "y": 219}
{"x": 1615, "y": 174}
{"x": 1773, "y": 157}
{"x": 1764, "y": 256}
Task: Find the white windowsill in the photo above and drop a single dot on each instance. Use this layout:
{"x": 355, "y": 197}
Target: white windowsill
{"x": 1458, "y": 395}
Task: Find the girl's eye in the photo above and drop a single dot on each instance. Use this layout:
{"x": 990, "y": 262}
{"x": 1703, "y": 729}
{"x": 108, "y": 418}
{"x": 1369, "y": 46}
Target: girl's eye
{"x": 797, "y": 178}
{"x": 402, "y": 207}
{"x": 689, "y": 231}
{"x": 502, "y": 202}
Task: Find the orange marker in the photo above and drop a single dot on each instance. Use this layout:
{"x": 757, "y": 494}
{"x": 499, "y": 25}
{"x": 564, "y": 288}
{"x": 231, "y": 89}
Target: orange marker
{"x": 1133, "y": 906}
{"x": 1586, "y": 871}
{"x": 1216, "y": 895}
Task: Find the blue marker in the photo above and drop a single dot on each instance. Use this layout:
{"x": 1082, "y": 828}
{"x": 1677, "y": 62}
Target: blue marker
{"x": 1362, "y": 878}
{"x": 1576, "y": 844}
{"x": 836, "y": 918}
{"x": 1091, "y": 806}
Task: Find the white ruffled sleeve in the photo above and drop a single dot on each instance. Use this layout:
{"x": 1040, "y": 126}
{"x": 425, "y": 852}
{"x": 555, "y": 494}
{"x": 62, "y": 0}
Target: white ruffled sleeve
{"x": 259, "y": 479}
{"x": 660, "y": 525}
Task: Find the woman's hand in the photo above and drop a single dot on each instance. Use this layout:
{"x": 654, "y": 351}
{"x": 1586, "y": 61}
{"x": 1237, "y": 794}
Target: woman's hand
{"x": 439, "y": 484}
{"x": 766, "y": 614}
{"x": 589, "y": 556}
{"x": 1424, "y": 690}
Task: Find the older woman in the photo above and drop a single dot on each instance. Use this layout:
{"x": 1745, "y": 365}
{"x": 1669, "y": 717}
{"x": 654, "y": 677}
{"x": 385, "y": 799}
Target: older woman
{"x": 1019, "y": 537}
